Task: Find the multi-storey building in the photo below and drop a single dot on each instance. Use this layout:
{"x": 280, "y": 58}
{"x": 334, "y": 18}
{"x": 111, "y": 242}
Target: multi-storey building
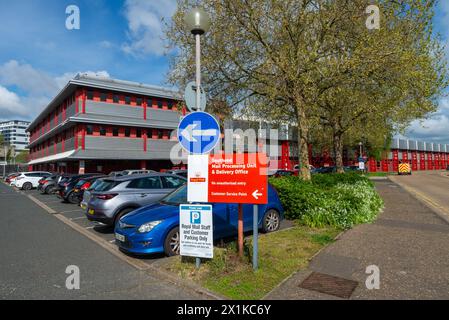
{"x": 14, "y": 133}
{"x": 102, "y": 125}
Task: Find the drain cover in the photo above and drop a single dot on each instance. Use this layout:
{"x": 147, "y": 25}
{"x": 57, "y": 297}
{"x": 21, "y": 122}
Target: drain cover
{"x": 331, "y": 285}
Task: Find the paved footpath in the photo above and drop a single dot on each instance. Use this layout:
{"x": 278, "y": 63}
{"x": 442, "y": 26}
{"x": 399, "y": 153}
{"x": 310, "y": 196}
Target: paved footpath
{"x": 36, "y": 248}
{"x": 409, "y": 243}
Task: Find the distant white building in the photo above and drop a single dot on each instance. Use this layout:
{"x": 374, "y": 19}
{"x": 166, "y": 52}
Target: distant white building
{"x": 14, "y": 133}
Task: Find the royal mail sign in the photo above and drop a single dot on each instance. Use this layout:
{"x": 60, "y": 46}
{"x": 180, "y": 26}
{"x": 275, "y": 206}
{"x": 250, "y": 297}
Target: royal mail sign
{"x": 233, "y": 178}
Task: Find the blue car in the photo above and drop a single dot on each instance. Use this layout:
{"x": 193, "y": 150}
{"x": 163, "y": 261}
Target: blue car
{"x": 155, "y": 228}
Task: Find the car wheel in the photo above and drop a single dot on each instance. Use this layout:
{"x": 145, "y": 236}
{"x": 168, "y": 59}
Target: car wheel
{"x": 172, "y": 243}
{"x": 271, "y": 221}
{"x": 27, "y": 186}
{"x": 48, "y": 190}
{"x": 121, "y": 214}
{"x": 72, "y": 198}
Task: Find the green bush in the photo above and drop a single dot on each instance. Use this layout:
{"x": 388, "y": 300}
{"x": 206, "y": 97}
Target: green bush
{"x": 339, "y": 200}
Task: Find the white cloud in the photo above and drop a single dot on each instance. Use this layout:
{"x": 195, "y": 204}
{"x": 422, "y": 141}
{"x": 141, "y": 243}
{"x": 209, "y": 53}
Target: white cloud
{"x": 36, "y": 88}
{"x": 10, "y": 104}
{"x": 145, "y": 25}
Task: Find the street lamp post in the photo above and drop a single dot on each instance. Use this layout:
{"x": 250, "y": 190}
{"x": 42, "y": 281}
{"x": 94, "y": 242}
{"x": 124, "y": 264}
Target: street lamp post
{"x": 198, "y": 23}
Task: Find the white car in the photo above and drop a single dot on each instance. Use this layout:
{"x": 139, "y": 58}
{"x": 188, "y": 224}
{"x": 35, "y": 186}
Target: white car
{"x": 29, "y": 180}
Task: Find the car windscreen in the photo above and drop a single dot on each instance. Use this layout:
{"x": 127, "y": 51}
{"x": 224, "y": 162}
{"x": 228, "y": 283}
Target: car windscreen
{"x": 80, "y": 183}
{"x": 106, "y": 185}
{"x": 179, "y": 196}
{"x": 95, "y": 184}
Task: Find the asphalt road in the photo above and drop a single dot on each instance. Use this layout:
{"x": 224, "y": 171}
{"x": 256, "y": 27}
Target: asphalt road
{"x": 36, "y": 248}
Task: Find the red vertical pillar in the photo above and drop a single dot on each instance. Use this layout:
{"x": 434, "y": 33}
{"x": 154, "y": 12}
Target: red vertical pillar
{"x": 143, "y": 165}
{"x": 395, "y": 160}
{"x": 372, "y": 165}
{"x": 414, "y": 161}
{"x": 429, "y": 161}
{"x": 285, "y": 156}
{"x": 422, "y": 160}
{"x": 405, "y": 157}
{"x": 145, "y": 139}
{"x": 385, "y": 165}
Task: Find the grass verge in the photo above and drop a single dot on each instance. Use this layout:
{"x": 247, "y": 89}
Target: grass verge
{"x": 280, "y": 254}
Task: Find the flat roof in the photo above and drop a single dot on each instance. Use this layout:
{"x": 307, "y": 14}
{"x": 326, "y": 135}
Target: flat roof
{"x": 85, "y": 80}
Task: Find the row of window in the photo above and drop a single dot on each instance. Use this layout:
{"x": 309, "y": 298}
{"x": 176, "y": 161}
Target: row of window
{"x": 127, "y": 99}
{"x": 127, "y": 131}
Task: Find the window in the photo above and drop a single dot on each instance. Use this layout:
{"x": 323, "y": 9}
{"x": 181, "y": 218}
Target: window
{"x": 115, "y": 132}
{"x": 115, "y": 98}
{"x": 127, "y": 100}
{"x": 90, "y": 95}
{"x": 139, "y": 133}
{"x": 102, "y": 131}
{"x": 89, "y": 129}
{"x": 139, "y": 101}
{"x": 103, "y": 96}
{"x": 170, "y": 105}
{"x": 145, "y": 183}
{"x": 160, "y": 134}
{"x": 127, "y": 132}
{"x": 172, "y": 182}
{"x": 160, "y": 104}
{"x": 149, "y": 103}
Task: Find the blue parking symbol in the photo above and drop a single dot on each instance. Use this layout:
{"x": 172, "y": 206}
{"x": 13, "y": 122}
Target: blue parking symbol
{"x": 195, "y": 217}
{"x": 199, "y": 133}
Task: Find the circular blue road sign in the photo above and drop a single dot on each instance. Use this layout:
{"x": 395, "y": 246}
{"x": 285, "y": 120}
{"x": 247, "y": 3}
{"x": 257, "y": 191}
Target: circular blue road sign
{"x": 199, "y": 133}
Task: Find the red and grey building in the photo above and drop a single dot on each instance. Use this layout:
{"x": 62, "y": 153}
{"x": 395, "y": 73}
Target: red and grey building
{"x": 103, "y": 125}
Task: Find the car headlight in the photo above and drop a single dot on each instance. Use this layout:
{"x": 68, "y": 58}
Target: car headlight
{"x": 147, "y": 227}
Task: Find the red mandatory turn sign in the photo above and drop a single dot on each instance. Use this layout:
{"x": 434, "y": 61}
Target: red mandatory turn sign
{"x": 233, "y": 178}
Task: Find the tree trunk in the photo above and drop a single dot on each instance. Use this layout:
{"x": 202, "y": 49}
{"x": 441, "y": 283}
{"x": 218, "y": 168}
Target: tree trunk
{"x": 303, "y": 145}
{"x": 338, "y": 151}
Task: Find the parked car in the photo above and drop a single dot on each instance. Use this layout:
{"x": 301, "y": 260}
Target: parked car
{"x": 155, "y": 228}
{"x": 324, "y": 170}
{"x": 29, "y": 180}
{"x": 47, "y": 185}
{"x": 182, "y": 173}
{"x": 281, "y": 173}
{"x": 11, "y": 176}
{"x": 66, "y": 186}
{"x": 81, "y": 186}
{"x": 115, "y": 197}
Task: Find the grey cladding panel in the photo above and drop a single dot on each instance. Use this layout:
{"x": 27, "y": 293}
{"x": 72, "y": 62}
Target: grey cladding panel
{"x": 160, "y": 148}
{"x": 395, "y": 144}
{"x": 162, "y": 118}
{"x": 421, "y": 146}
{"x": 71, "y": 110}
{"x": 114, "y": 144}
{"x": 403, "y": 144}
{"x": 412, "y": 145}
{"x": 429, "y": 146}
{"x": 118, "y": 110}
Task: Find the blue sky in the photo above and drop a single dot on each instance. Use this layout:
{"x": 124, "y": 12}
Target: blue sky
{"x": 121, "y": 39}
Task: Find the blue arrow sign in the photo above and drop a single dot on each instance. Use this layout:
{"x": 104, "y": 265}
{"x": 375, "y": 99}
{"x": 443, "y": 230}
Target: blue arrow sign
{"x": 198, "y": 133}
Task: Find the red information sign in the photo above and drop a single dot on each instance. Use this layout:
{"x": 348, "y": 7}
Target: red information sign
{"x": 233, "y": 178}
{"x": 238, "y": 178}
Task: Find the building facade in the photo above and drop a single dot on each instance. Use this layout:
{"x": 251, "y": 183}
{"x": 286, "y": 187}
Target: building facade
{"x": 15, "y": 134}
{"x": 103, "y": 125}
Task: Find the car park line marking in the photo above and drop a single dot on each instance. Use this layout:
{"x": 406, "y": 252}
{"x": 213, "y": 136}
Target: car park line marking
{"x": 77, "y": 218}
{"x": 71, "y": 211}
{"x": 138, "y": 264}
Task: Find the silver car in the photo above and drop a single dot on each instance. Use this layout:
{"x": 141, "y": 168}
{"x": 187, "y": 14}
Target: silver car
{"x": 112, "y": 198}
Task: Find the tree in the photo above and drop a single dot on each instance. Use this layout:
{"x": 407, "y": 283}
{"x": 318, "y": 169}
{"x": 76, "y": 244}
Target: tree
{"x": 314, "y": 64}
{"x": 22, "y": 157}
{"x": 381, "y": 79}
{"x": 258, "y": 50}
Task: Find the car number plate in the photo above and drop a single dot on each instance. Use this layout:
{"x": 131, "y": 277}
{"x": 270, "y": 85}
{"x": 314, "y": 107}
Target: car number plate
{"x": 120, "y": 237}
{"x": 91, "y": 211}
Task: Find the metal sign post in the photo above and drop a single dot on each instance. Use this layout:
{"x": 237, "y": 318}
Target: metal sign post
{"x": 255, "y": 237}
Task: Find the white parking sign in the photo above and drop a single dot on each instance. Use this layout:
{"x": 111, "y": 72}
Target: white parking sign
{"x": 196, "y": 231}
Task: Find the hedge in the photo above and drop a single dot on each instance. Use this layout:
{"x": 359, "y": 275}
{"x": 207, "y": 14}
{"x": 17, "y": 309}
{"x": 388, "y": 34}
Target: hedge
{"x": 339, "y": 200}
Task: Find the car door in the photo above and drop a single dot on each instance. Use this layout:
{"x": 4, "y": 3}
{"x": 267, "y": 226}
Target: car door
{"x": 222, "y": 220}
{"x": 147, "y": 190}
